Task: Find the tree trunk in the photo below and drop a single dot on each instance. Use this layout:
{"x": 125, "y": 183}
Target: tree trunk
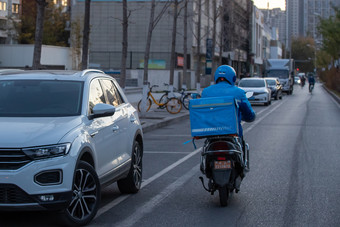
{"x": 185, "y": 43}
{"x": 124, "y": 45}
{"x": 148, "y": 42}
{"x": 214, "y": 39}
{"x": 173, "y": 46}
{"x": 41, "y": 4}
{"x": 146, "y": 58}
{"x": 198, "y": 50}
{"x": 86, "y": 35}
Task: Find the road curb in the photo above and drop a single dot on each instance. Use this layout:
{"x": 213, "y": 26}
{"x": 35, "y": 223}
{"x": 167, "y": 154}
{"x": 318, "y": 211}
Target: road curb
{"x": 337, "y": 98}
{"x": 166, "y": 121}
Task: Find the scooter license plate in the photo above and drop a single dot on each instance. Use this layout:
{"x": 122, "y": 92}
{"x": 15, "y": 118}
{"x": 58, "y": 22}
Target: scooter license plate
{"x": 222, "y": 165}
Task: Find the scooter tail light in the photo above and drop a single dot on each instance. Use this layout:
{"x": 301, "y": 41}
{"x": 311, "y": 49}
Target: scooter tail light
{"x": 221, "y": 158}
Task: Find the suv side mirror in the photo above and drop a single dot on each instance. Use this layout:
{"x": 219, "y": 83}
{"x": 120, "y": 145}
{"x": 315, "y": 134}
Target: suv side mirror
{"x": 102, "y": 110}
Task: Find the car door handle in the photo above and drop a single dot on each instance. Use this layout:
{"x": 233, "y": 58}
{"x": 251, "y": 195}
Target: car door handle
{"x": 93, "y": 134}
{"x": 133, "y": 118}
{"x": 115, "y": 128}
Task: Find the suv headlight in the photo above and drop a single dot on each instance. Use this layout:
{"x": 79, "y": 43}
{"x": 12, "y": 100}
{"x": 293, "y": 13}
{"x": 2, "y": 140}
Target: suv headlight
{"x": 47, "y": 151}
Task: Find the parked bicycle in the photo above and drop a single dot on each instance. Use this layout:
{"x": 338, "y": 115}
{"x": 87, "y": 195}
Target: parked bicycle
{"x": 173, "y": 105}
{"x": 187, "y": 96}
{"x": 184, "y": 98}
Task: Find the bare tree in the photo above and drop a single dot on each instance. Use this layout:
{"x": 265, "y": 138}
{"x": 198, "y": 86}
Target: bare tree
{"x": 198, "y": 49}
{"x": 185, "y": 41}
{"x": 173, "y": 46}
{"x": 124, "y": 45}
{"x": 152, "y": 24}
{"x": 86, "y": 35}
{"x": 221, "y": 46}
{"x": 214, "y": 18}
{"x": 41, "y": 4}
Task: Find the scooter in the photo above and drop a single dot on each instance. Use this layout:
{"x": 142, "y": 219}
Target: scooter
{"x": 224, "y": 162}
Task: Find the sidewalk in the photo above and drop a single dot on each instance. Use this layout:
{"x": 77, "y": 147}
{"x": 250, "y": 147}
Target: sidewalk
{"x": 154, "y": 118}
{"x": 335, "y": 96}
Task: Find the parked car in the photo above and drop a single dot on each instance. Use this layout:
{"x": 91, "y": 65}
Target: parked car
{"x": 275, "y": 87}
{"x": 65, "y": 135}
{"x": 297, "y": 80}
{"x": 262, "y": 94}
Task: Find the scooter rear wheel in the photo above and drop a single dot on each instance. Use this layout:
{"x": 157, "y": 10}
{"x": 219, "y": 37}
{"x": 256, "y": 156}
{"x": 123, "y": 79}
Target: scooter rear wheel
{"x": 224, "y": 195}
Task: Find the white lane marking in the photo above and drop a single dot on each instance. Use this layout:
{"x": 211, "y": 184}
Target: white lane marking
{"x": 258, "y": 113}
{"x": 146, "y": 182}
{"x": 172, "y": 166}
{"x": 166, "y": 152}
{"x": 151, "y": 204}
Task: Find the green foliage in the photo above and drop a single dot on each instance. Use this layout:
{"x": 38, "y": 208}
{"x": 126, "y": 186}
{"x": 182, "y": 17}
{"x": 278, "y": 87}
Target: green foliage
{"x": 54, "y": 25}
{"x": 26, "y": 28}
{"x": 323, "y": 59}
{"x": 303, "y": 53}
{"x": 329, "y": 28}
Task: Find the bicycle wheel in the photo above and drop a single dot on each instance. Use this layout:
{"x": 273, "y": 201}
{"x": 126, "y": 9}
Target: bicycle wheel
{"x": 174, "y": 106}
{"x": 148, "y": 105}
{"x": 185, "y": 101}
{"x": 163, "y": 100}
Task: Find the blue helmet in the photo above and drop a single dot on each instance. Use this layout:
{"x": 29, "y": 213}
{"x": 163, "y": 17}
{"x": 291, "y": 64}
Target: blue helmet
{"x": 226, "y": 72}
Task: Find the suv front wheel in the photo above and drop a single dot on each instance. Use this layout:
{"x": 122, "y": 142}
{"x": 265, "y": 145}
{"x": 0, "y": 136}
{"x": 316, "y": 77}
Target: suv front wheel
{"x": 86, "y": 196}
{"x": 132, "y": 183}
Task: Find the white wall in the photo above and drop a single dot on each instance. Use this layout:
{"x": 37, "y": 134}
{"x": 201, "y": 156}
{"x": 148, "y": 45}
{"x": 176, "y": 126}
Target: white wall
{"x": 21, "y": 55}
{"x": 159, "y": 77}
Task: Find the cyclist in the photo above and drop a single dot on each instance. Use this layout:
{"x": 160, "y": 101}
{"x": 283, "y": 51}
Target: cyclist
{"x": 302, "y": 81}
{"x": 225, "y": 77}
{"x": 311, "y": 81}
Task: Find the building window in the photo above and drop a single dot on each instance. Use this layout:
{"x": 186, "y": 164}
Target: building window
{"x": 3, "y": 6}
{"x": 15, "y": 8}
{"x": 60, "y": 2}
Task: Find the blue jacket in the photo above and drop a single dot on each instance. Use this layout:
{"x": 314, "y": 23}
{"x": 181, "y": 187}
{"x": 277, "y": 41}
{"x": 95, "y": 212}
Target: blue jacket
{"x": 245, "y": 111}
{"x": 311, "y": 80}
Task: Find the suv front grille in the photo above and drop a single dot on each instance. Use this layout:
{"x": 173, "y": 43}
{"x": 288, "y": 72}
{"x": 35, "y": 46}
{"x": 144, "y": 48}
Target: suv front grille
{"x": 12, "y": 194}
{"x": 11, "y": 159}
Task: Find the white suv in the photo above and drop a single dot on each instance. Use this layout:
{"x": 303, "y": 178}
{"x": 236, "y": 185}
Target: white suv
{"x": 64, "y": 135}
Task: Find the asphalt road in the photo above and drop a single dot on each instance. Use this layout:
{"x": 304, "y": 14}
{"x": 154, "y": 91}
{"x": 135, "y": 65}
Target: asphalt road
{"x": 294, "y": 178}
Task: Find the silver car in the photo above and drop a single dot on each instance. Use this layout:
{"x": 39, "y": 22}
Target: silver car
{"x": 65, "y": 135}
{"x": 259, "y": 87}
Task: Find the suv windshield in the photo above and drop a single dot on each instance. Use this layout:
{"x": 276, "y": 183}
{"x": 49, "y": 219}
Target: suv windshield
{"x": 282, "y": 74}
{"x": 251, "y": 83}
{"x": 40, "y": 98}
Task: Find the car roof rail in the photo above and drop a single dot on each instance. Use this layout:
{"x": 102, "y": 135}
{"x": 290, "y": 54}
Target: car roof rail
{"x": 84, "y": 72}
{"x": 5, "y": 71}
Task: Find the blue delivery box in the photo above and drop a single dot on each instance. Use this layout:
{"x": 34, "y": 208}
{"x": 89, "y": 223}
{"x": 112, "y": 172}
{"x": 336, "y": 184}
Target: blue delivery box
{"x": 213, "y": 116}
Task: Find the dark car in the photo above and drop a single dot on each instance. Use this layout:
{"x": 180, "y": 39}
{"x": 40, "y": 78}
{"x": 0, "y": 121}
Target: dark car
{"x": 275, "y": 86}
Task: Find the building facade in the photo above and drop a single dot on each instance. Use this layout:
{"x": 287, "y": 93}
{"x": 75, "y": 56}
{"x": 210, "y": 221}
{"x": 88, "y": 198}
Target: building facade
{"x": 9, "y": 14}
{"x": 293, "y": 27}
{"x": 313, "y": 10}
{"x": 233, "y": 26}
{"x": 276, "y": 19}
{"x": 303, "y": 17}
{"x": 237, "y": 29}
{"x": 106, "y": 33}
